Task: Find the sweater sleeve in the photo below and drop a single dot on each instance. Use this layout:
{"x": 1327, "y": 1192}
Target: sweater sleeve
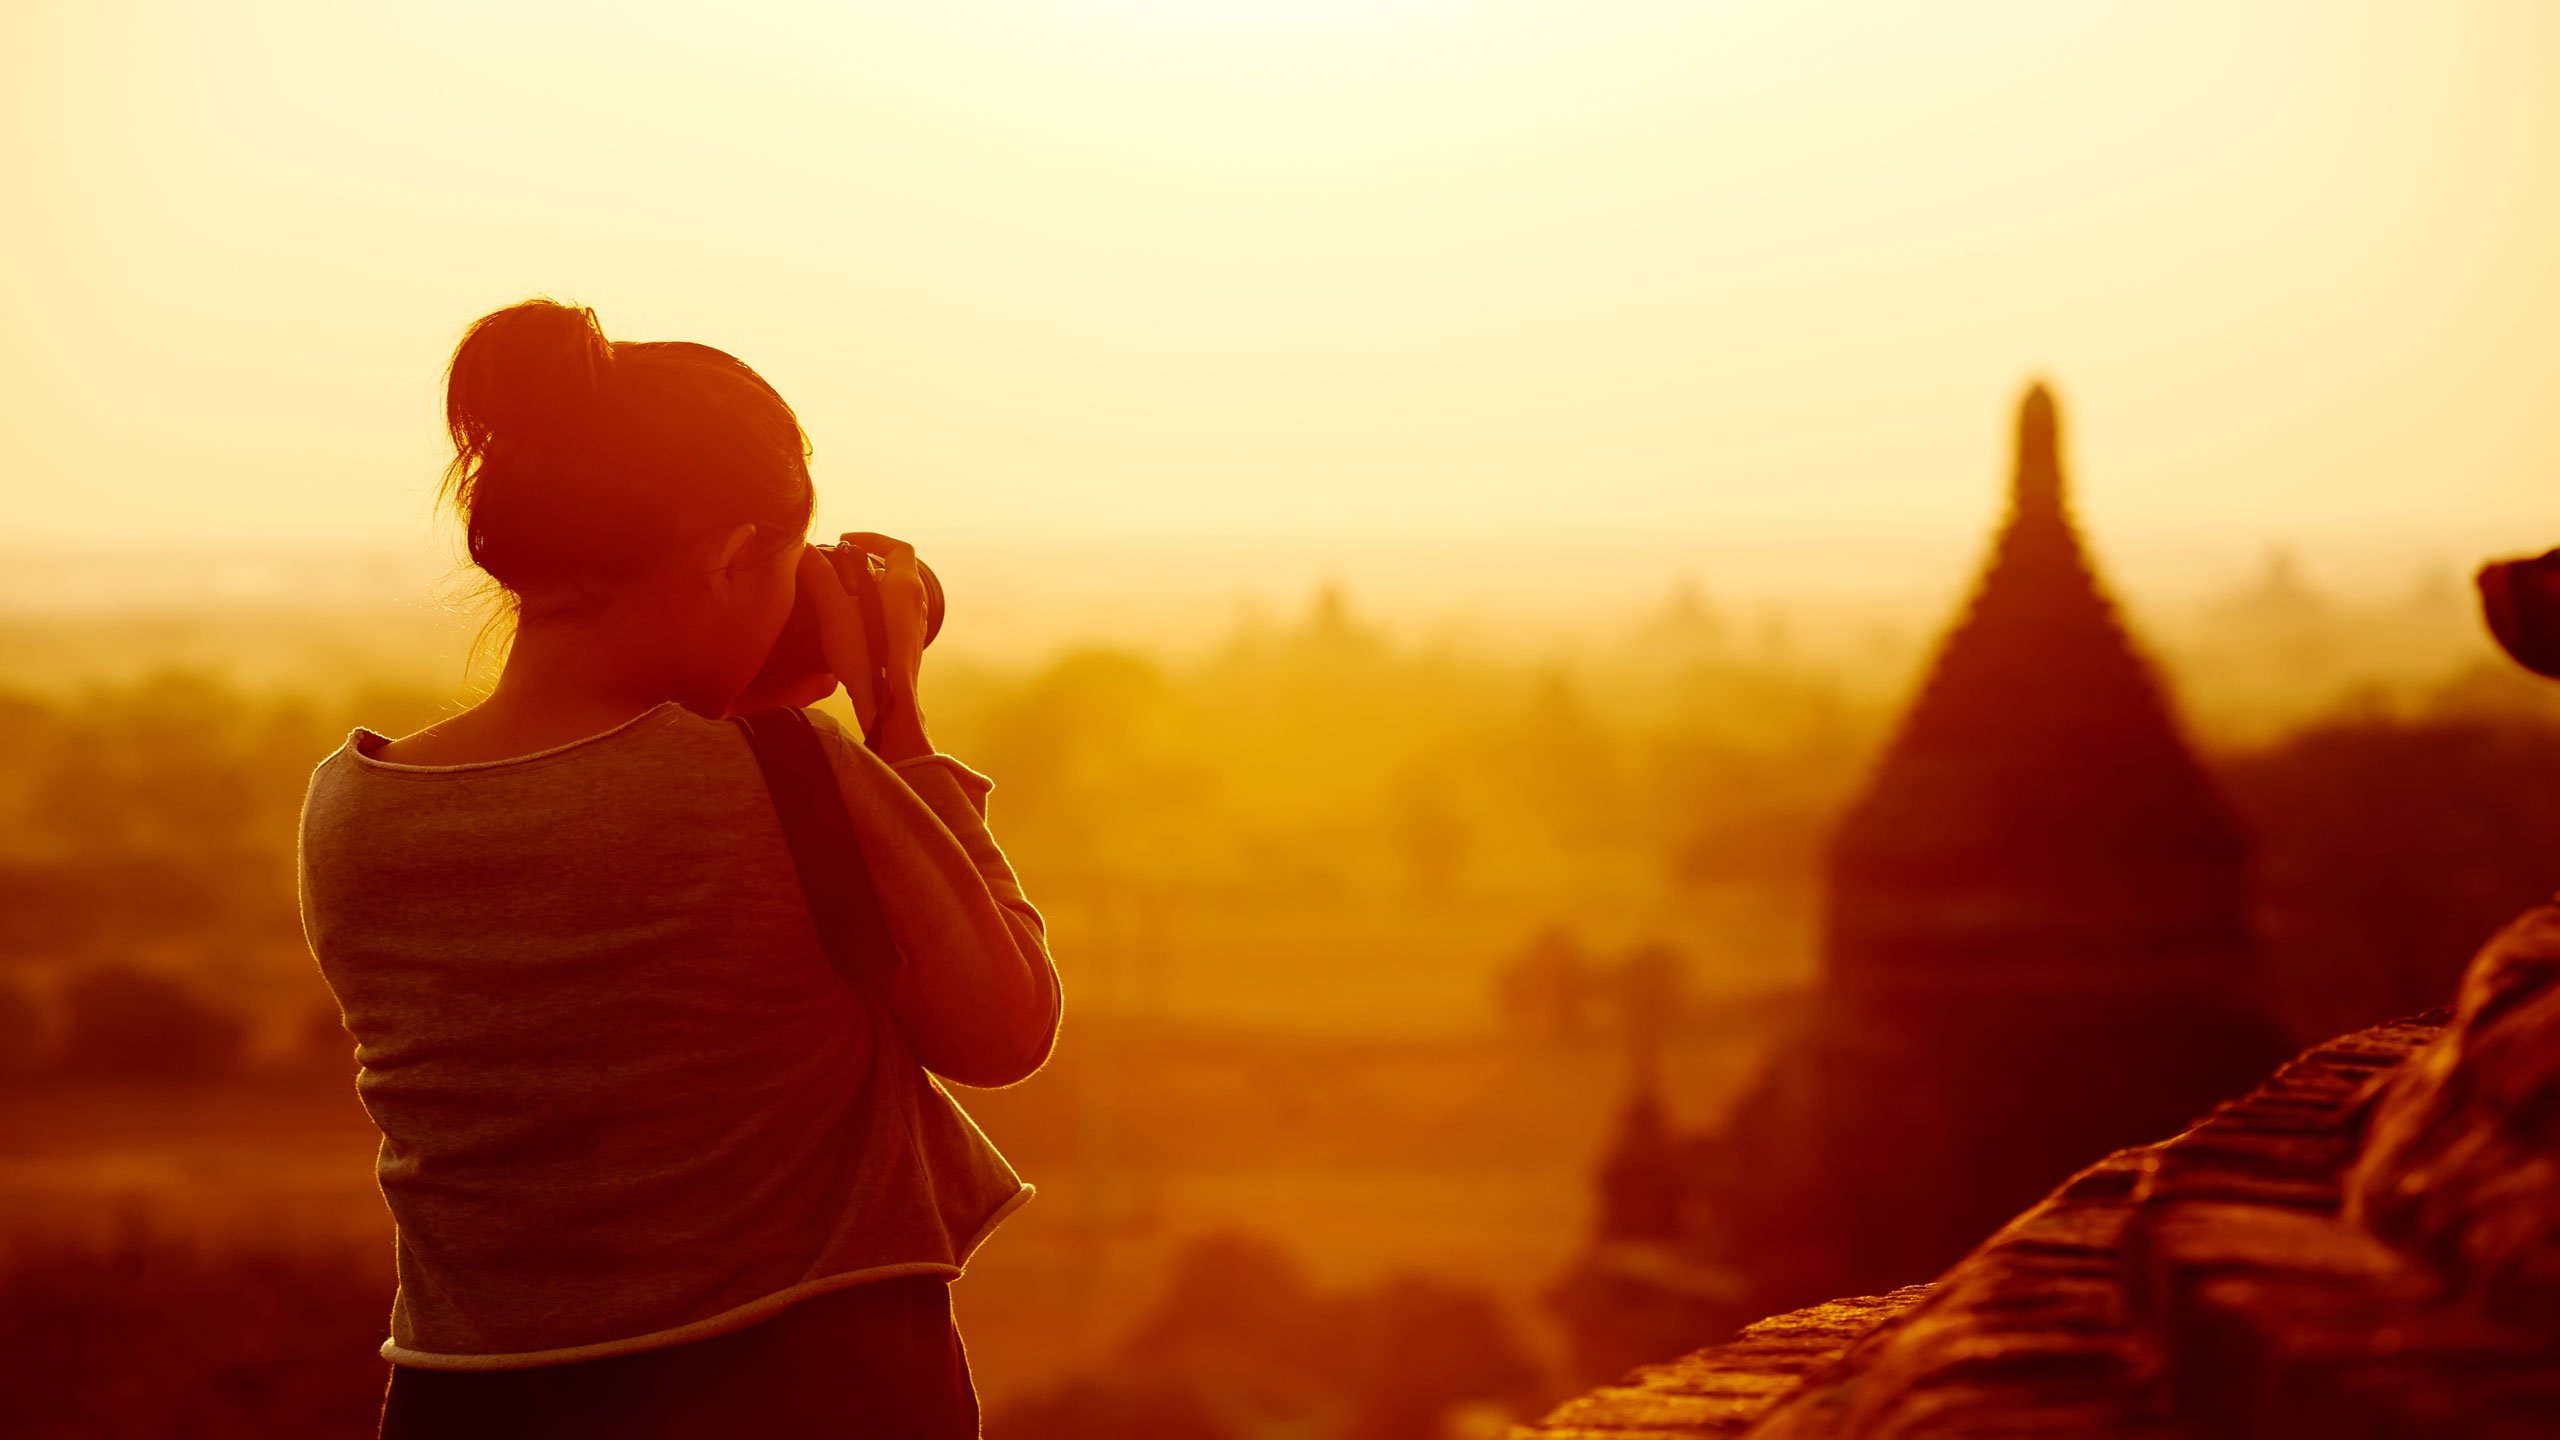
{"x": 957, "y": 796}
{"x": 976, "y": 989}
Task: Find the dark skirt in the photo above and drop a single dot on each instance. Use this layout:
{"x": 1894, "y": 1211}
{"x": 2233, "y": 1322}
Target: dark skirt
{"x": 879, "y": 1358}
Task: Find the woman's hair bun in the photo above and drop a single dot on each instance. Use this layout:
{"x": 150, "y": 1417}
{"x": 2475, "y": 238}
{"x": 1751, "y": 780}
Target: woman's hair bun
{"x": 578, "y": 462}
{"x": 531, "y": 376}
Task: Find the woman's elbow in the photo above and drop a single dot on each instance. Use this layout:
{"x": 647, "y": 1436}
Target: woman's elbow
{"x": 1007, "y": 1053}
{"x": 996, "y": 1061}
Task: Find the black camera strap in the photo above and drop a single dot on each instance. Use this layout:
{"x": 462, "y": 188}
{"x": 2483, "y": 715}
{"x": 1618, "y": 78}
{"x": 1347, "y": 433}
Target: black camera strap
{"x": 834, "y": 878}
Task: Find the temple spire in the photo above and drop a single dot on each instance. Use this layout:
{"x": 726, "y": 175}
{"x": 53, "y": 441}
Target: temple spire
{"x": 1640, "y": 1178}
{"x": 2038, "y": 799}
{"x": 2037, "y": 484}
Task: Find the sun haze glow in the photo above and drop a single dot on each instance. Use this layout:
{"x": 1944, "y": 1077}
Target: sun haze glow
{"x": 1720, "y": 277}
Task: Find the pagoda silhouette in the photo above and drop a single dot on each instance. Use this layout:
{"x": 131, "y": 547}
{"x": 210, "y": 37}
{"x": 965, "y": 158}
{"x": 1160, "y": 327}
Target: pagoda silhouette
{"x": 2036, "y": 949}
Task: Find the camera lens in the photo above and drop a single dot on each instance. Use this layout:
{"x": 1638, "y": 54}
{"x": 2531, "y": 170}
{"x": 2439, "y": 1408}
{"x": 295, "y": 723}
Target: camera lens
{"x": 932, "y": 601}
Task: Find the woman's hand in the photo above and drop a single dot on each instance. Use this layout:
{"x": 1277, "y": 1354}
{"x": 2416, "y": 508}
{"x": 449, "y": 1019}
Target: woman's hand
{"x": 883, "y": 687}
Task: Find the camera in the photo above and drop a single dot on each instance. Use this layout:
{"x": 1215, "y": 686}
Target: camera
{"x": 796, "y": 653}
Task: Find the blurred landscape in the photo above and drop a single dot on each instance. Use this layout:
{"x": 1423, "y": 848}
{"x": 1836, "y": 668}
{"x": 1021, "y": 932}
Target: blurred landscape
{"x": 1358, "y": 912}
{"x": 1445, "y": 504}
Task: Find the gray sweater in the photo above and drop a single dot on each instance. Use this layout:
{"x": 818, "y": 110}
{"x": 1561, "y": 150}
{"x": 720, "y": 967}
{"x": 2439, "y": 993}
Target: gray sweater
{"x": 624, "y": 1099}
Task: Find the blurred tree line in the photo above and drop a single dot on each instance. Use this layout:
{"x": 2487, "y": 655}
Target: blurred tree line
{"x": 148, "y": 926}
{"x": 1242, "y": 1344}
{"x": 1669, "y": 796}
{"x": 2395, "y": 837}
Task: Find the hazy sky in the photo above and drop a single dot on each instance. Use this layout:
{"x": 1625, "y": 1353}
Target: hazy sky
{"x": 1702, "y": 277}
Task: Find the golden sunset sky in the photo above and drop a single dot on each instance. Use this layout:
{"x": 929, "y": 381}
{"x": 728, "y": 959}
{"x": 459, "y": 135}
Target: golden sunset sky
{"x": 1182, "y": 276}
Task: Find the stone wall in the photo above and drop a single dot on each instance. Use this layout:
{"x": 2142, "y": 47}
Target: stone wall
{"x": 2217, "y": 1283}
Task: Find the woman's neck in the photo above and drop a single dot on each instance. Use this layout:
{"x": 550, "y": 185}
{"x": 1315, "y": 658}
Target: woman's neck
{"x": 584, "y": 664}
{"x": 566, "y": 678}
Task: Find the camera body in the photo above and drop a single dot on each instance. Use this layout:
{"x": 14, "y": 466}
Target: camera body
{"x": 797, "y": 654}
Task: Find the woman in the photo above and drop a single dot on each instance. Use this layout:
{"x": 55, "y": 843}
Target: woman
{"x": 656, "y": 1168}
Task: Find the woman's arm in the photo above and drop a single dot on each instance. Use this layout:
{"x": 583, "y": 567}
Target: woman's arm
{"x": 975, "y": 990}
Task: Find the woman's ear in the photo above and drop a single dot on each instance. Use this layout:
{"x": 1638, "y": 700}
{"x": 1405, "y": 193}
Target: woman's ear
{"x": 725, "y": 553}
